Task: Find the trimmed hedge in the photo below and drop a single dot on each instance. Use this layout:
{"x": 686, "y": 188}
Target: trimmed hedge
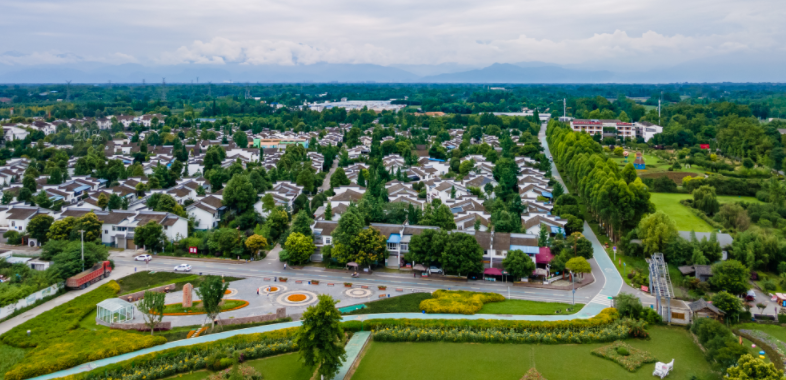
{"x": 605, "y": 317}
{"x": 177, "y": 360}
{"x": 609, "y": 333}
{"x": 458, "y": 302}
{"x": 59, "y": 321}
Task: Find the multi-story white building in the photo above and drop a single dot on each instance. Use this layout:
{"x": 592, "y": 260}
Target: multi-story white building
{"x": 642, "y": 129}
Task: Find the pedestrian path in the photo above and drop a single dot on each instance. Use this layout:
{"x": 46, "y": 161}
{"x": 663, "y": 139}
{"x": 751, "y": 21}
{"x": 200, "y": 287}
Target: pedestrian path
{"x": 353, "y": 348}
{"x": 602, "y": 300}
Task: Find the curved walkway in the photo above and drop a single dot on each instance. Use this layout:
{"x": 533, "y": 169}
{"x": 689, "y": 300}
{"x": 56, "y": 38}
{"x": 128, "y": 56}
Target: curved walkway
{"x": 612, "y": 283}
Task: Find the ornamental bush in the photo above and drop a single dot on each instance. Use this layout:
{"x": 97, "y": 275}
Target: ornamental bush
{"x": 629, "y": 357}
{"x": 458, "y": 301}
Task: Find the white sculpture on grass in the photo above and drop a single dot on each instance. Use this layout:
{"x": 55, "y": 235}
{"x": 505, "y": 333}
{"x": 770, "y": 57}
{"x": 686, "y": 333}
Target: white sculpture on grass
{"x": 662, "y": 369}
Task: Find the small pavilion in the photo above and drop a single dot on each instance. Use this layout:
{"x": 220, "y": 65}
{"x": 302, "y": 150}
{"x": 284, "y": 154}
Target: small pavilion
{"x": 114, "y": 310}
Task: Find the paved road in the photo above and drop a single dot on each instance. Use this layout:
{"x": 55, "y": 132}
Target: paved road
{"x": 326, "y": 184}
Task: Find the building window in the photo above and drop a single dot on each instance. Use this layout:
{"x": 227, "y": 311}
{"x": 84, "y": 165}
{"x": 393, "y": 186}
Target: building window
{"x": 392, "y": 246}
{"x": 328, "y": 240}
{"x": 404, "y": 247}
{"x": 106, "y": 231}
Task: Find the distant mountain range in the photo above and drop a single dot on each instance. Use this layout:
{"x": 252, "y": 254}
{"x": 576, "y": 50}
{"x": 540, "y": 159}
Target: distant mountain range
{"x": 717, "y": 70}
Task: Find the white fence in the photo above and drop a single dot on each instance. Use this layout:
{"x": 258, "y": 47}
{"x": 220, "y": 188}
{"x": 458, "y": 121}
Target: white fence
{"x": 7, "y": 310}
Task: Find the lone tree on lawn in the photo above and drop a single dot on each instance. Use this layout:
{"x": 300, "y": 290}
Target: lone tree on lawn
{"x": 320, "y": 338}
{"x": 256, "y": 243}
{"x": 152, "y": 308}
{"x": 211, "y": 292}
{"x": 518, "y": 264}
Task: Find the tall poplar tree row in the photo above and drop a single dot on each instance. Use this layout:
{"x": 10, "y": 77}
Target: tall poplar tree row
{"x": 618, "y": 199}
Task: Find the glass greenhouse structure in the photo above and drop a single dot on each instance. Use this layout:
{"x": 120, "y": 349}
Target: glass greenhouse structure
{"x": 114, "y": 310}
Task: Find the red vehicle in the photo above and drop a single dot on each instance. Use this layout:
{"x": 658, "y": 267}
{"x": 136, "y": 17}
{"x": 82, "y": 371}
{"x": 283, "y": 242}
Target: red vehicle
{"x": 99, "y": 271}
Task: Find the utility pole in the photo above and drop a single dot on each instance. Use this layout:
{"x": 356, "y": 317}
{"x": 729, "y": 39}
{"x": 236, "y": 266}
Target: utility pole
{"x": 573, "y": 285}
{"x": 83, "y": 249}
{"x": 659, "y": 102}
{"x": 564, "y": 108}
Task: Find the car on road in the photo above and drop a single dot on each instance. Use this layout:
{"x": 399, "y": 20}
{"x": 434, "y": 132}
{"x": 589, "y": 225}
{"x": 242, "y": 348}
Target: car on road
{"x": 433, "y": 269}
{"x": 183, "y": 268}
{"x": 143, "y": 258}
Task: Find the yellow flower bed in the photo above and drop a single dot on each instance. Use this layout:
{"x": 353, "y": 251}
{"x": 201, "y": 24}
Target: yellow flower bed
{"x": 296, "y": 298}
{"x": 458, "y": 302}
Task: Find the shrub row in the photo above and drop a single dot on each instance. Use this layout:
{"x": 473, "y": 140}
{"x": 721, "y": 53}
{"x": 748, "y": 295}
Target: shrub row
{"x": 604, "y": 318}
{"x": 177, "y": 360}
{"x": 609, "y": 333}
{"x": 59, "y": 321}
{"x": 458, "y": 301}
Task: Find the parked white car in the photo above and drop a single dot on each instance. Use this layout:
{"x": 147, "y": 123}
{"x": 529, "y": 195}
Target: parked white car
{"x": 183, "y": 268}
{"x": 143, "y": 258}
{"x": 434, "y": 269}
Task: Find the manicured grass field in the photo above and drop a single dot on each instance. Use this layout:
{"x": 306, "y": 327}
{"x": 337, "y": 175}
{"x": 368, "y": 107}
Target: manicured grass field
{"x": 9, "y": 356}
{"x": 682, "y": 215}
{"x": 146, "y": 280}
{"x": 524, "y": 307}
{"x": 650, "y": 162}
{"x": 449, "y": 361}
{"x": 281, "y": 367}
{"x": 196, "y": 307}
{"x": 407, "y": 303}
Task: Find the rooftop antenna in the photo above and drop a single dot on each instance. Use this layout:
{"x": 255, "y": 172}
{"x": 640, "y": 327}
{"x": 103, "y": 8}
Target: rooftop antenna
{"x": 163, "y": 89}
{"x": 68, "y": 89}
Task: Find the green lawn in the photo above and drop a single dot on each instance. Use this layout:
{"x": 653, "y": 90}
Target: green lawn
{"x": 449, "y": 361}
{"x": 146, "y": 280}
{"x": 524, "y": 307}
{"x": 651, "y": 162}
{"x": 281, "y": 367}
{"x": 682, "y": 215}
{"x": 407, "y": 303}
{"x": 9, "y": 356}
{"x": 196, "y": 307}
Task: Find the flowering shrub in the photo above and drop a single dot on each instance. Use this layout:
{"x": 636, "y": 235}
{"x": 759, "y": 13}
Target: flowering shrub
{"x": 604, "y": 318}
{"x": 633, "y": 361}
{"x": 458, "y": 301}
{"x": 296, "y": 298}
{"x": 177, "y": 360}
{"x": 80, "y": 346}
{"x": 463, "y": 335}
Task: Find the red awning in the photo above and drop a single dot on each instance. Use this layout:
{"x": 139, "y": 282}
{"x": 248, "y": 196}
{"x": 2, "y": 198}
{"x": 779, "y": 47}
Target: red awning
{"x": 544, "y": 256}
{"x": 492, "y": 272}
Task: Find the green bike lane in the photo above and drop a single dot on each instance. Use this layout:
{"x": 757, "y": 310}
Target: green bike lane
{"x": 612, "y": 284}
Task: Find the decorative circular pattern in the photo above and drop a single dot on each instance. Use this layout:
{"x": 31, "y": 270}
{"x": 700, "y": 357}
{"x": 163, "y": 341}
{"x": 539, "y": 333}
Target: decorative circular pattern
{"x": 297, "y": 298}
{"x": 272, "y": 289}
{"x": 309, "y": 298}
{"x": 230, "y": 292}
{"x": 358, "y": 293}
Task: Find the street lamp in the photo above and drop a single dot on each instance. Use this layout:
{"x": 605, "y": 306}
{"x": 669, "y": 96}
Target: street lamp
{"x": 573, "y": 285}
{"x": 83, "y": 249}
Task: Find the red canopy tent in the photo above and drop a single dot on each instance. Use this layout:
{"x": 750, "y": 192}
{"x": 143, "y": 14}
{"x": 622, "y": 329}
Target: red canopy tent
{"x": 544, "y": 256}
{"x": 492, "y": 272}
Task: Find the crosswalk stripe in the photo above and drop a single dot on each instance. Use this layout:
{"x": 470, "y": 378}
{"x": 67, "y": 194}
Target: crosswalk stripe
{"x": 601, "y": 299}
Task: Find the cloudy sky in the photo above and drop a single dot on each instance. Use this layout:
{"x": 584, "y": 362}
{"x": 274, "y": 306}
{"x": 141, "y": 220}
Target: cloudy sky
{"x": 610, "y": 34}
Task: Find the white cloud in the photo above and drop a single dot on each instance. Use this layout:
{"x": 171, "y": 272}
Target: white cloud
{"x": 620, "y": 33}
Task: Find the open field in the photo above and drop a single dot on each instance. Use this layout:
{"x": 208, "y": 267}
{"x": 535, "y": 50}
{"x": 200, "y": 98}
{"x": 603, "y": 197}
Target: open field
{"x": 682, "y": 215}
{"x": 437, "y": 361}
{"x": 523, "y": 307}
